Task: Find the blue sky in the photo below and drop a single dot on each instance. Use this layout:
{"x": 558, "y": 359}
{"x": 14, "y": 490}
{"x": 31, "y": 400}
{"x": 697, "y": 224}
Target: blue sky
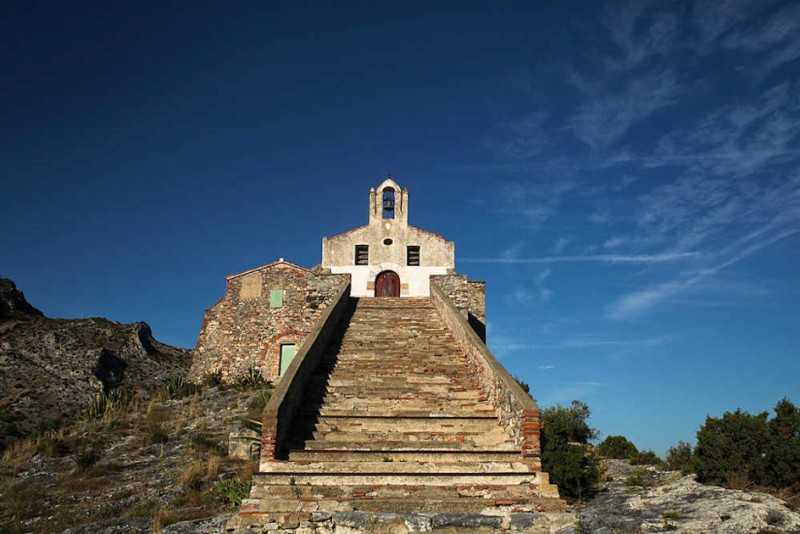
{"x": 624, "y": 176}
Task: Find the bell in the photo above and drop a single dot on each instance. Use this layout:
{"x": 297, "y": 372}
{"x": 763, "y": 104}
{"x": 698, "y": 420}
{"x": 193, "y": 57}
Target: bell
{"x": 388, "y": 203}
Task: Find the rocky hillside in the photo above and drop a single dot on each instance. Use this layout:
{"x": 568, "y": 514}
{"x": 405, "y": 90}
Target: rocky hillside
{"x": 50, "y": 369}
{"x": 143, "y": 466}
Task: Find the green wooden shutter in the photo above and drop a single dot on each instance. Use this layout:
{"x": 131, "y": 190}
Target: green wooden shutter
{"x": 276, "y": 298}
{"x": 288, "y": 351}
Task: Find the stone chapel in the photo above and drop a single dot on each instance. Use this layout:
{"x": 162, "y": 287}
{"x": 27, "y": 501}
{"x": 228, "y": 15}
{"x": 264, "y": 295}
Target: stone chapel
{"x": 267, "y": 312}
{"x": 387, "y": 399}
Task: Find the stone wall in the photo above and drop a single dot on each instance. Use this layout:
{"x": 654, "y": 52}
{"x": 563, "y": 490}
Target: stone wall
{"x": 288, "y": 395}
{"x": 244, "y": 330}
{"x": 468, "y": 296}
{"x": 518, "y": 412}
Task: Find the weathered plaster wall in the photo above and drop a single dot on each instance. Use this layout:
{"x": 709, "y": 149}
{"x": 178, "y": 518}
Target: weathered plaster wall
{"x": 437, "y": 256}
{"x": 242, "y": 330}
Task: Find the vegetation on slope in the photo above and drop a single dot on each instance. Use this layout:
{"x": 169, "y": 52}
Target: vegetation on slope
{"x": 137, "y": 464}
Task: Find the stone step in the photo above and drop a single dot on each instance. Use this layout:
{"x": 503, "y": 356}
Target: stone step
{"x": 449, "y": 456}
{"x": 391, "y": 394}
{"x": 388, "y": 465}
{"x": 505, "y": 481}
{"x": 395, "y": 411}
{"x": 487, "y": 438}
{"x": 387, "y": 445}
{"x": 419, "y": 424}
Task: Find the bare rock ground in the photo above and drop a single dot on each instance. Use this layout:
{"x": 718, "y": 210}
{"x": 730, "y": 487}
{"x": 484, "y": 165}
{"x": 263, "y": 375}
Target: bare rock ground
{"x": 637, "y": 499}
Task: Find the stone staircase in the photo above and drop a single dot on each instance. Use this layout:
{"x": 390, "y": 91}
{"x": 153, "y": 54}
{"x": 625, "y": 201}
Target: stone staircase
{"x": 394, "y": 421}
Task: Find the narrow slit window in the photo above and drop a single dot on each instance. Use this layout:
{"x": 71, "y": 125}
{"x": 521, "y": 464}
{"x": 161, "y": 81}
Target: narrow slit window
{"x": 362, "y": 254}
{"x": 412, "y": 255}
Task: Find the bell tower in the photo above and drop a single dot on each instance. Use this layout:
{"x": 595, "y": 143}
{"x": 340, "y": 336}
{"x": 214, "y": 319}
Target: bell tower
{"x": 388, "y": 203}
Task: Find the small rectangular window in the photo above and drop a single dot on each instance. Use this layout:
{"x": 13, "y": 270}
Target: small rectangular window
{"x": 362, "y": 254}
{"x": 276, "y": 298}
{"x": 412, "y": 257}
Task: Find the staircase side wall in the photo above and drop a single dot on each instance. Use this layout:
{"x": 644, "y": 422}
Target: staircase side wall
{"x": 245, "y": 329}
{"x": 518, "y": 412}
{"x": 288, "y": 395}
{"x": 469, "y": 298}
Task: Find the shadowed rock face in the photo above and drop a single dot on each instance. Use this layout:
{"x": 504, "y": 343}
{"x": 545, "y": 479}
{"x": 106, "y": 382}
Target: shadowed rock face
{"x": 51, "y": 368}
{"x": 13, "y": 303}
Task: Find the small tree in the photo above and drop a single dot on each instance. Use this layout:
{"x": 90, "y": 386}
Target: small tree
{"x": 616, "y": 447}
{"x": 565, "y": 455}
{"x": 783, "y": 452}
{"x": 679, "y": 458}
{"x": 732, "y": 448}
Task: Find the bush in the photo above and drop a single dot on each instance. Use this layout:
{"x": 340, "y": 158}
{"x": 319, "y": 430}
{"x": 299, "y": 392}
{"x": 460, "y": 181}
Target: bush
{"x": 679, "y": 458}
{"x": 783, "y": 452}
{"x": 212, "y": 379}
{"x": 231, "y": 491}
{"x": 177, "y": 387}
{"x": 88, "y": 456}
{"x": 107, "y": 403}
{"x": 565, "y": 454}
{"x": 734, "y": 446}
{"x": 617, "y": 447}
{"x": 646, "y": 458}
{"x": 251, "y": 379}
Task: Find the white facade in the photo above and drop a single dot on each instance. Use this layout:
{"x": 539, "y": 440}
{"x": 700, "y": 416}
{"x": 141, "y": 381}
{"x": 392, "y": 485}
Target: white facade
{"x": 387, "y": 239}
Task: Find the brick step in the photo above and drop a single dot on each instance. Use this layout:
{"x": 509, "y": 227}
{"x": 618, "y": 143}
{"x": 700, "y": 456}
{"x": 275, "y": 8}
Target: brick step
{"x": 391, "y": 466}
{"x": 387, "y": 445}
{"x": 337, "y": 455}
{"x": 487, "y": 438}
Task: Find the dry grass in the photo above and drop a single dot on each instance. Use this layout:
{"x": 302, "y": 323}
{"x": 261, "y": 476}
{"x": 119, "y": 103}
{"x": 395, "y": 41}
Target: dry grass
{"x": 162, "y": 481}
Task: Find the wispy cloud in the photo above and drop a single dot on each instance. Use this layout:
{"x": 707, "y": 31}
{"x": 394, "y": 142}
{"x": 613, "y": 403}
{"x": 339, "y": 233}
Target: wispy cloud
{"x": 685, "y": 194}
{"x": 580, "y": 344}
{"x": 595, "y": 258}
{"x": 608, "y": 116}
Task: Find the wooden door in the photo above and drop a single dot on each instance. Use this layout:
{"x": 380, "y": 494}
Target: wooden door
{"x": 387, "y": 284}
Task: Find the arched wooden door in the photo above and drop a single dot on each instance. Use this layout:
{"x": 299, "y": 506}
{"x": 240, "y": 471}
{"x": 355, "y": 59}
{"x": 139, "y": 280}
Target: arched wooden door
{"x": 387, "y": 284}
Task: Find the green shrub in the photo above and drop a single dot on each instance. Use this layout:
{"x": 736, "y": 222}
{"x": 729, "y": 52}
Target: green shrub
{"x": 617, "y": 447}
{"x": 524, "y": 385}
{"x": 203, "y": 443}
{"x": 565, "y": 454}
{"x": 251, "y": 379}
{"x": 177, "y": 387}
{"x": 679, "y": 458}
{"x": 106, "y": 403}
{"x": 646, "y": 458}
{"x": 88, "y": 456}
{"x": 212, "y": 379}
{"x": 231, "y": 491}
{"x": 783, "y": 452}
{"x": 734, "y": 445}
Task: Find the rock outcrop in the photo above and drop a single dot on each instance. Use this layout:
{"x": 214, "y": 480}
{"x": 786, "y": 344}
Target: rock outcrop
{"x": 647, "y": 499}
{"x": 51, "y": 368}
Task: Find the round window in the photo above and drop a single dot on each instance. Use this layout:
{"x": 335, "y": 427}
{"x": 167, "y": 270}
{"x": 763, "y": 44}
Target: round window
{"x": 387, "y": 241}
